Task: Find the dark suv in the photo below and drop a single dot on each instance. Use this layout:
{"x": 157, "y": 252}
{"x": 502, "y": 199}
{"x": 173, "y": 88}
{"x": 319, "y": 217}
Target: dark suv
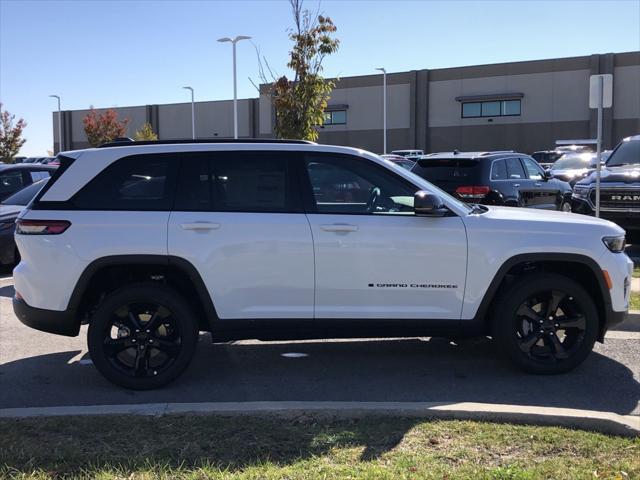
{"x": 619, "y": 191}
{"x": 495, "y": 178}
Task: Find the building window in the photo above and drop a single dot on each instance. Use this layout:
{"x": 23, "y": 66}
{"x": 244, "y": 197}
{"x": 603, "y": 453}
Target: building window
{"x": 502, "y": 108}
{"x": 335, "y": 117}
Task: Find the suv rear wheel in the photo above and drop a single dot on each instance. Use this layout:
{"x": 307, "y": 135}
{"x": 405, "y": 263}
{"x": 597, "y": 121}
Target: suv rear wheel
{"x": 545, "y": 323}
{"x": 142, "y": 336}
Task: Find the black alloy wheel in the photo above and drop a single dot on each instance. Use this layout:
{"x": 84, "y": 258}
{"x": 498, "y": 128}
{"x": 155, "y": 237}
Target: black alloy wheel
{"x": 545, "y": 323}
{"x": 142, "y": 336}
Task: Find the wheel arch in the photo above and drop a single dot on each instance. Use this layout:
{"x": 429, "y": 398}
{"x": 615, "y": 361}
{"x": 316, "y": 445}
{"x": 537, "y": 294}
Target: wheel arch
{"x": 106, "y": 273}
{"x": 580, "y": 268}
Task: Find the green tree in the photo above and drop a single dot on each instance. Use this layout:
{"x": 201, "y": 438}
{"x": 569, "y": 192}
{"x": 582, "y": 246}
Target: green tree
{"x": 300, "y": 102}
{"x": 103, "y": 127}
{"x": 10, "y": 135}
{"x": 145, "y": 133}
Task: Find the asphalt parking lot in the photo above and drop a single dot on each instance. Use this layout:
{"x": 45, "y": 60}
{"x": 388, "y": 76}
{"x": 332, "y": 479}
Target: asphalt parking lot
{"x": 39, "y": 369}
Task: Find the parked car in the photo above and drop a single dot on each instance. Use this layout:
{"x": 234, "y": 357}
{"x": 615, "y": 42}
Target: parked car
{"x": 408, "y": 153}
{"x": 404, "y": 162}
{"x": 495, "y": 178}
{"x": 10, "y": 208}
{"x": 17, "y": 176}
{"x": 619, "y": 190}
{"x": 572, "y": 167}
{"x": 546, "y": 158}
{"x": 151, "y": 242}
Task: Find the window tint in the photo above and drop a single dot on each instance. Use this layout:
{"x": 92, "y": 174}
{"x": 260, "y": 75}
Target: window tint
{"x": 24, "y": 196}
{"x": 10, "y": 182}
{"x": 514, "y": 169}
{"x": 35, "y": 176}
{"x": 194, "y": 189}
{"x": 343, "y": 184}
{"x": 499, "y": 170}
{"x": 533, "y": 169}
{"x": 138, "y": 182}
{"x": 236, "y": 182}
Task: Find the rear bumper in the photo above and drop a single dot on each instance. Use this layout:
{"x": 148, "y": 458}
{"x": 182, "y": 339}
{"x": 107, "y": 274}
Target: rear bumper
{"x": 50, "y": 321}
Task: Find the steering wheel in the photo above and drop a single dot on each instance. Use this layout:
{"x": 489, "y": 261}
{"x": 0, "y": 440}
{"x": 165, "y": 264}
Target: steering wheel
{"x": 372, "y": 201}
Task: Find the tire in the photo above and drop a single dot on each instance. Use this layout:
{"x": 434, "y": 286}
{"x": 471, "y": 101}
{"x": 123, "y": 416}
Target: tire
{"x": 133, "y": 356}
{"x": 563, "y": 337}
{"x": 565, "y": 207}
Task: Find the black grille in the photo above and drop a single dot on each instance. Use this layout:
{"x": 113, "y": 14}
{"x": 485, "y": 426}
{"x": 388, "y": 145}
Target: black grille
{"x": 618, "y": 198}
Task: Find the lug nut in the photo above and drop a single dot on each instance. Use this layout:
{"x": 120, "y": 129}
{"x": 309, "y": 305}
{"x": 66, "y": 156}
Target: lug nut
{"x": 133, "y": 340}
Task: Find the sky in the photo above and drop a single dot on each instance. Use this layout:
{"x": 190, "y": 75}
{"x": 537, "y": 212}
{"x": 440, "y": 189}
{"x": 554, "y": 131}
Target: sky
{"x": 119, "y": 53}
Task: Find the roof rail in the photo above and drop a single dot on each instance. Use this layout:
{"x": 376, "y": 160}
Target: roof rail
{"x": 496, "y": 151}
{"x": 127, "y": 142}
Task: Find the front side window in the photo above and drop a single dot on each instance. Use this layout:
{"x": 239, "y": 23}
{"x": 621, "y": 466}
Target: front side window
{"x": 347, "y": 185}
{"x": 137, "y": 182}
{"x": 533, "y": 169}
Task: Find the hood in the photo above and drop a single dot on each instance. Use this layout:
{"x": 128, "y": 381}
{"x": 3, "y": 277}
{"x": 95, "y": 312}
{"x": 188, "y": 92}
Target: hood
{"x": 551, "y": 221}
{"x": 622, "y": 174}
{"x": 10, "y": 212}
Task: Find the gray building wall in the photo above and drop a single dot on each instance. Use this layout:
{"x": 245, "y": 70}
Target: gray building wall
{"x": 422, "y": 110}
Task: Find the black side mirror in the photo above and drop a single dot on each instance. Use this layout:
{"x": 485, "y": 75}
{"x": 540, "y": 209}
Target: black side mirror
{"x": 547, "y": 175}
{"x": 428, "y": 205}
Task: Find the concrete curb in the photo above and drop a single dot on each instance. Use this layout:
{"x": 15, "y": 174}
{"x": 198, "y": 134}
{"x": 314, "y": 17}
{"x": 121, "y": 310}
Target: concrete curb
{"x": 605, "y": 422}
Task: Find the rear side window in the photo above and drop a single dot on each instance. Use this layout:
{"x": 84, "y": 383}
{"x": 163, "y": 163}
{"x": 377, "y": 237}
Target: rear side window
{"x": 137, "y": 182}
{"x": 499, "y": 170}
{"x": 514, "y": 169}
{"x": 248, "y": 181}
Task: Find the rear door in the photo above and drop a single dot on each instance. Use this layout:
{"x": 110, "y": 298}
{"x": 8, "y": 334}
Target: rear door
{"x": 239, "y": 220}
{"x": 518, "y": 180}
{"x": 545, "y": 192}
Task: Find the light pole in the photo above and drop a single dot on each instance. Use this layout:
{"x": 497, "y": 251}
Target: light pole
{"x": 59, "y": 123}
{"x": 193, "y": 114}
{"x": 235, "y": 87}
{"x": 384, "y": 109}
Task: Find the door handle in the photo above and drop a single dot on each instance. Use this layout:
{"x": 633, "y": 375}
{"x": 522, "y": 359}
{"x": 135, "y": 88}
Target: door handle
{"x": 516, "y": 184}
{"x": 538, "y": 184}
{"x": 339, "y": 227}
{"x": 200, "y": 226}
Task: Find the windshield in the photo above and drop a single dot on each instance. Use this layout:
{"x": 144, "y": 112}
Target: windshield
{"x": 24, "y": 196}
{"x": 627, "y": 153}
{"x": 574, "y": 161}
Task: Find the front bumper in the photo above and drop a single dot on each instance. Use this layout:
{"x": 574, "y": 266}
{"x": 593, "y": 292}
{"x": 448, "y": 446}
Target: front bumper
{"x": 50, "y": 321}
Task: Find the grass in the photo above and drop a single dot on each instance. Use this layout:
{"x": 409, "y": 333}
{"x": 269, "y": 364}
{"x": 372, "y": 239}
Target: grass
{"x": 200, "y": 447}
{"x": 634, "y": 303}
{"x": 636, "y": 272}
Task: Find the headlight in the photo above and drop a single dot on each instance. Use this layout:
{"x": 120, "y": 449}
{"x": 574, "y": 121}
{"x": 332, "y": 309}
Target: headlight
{"x": 615, "y": 244}
{"x": 580, "y": 192}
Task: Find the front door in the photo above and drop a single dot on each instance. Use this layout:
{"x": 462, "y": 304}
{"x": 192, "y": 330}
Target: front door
{"x": 546, "y": 192}
{"x": 374, "y": 258}
{"x": 239, "y": 220}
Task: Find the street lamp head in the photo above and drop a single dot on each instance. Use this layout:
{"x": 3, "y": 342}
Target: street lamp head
{"x": 188, "y": 88}
{"x": 241, "y": 37}
{"x": 382, "y": 69}
{"x": 55, "y": 96}
{"x": 225, "y": 39}
{"x": 234, "y": 39}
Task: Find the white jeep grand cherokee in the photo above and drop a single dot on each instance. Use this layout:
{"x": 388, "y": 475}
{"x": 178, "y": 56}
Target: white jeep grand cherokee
{"x": 151, "y": 242}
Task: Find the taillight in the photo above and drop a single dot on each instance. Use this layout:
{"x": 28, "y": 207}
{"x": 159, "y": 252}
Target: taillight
{"x": 41, "y": 227}
{"x": 474, "y": 192}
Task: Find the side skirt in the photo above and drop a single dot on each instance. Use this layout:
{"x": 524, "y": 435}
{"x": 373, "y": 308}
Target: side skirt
{"x": 307, "y": 329}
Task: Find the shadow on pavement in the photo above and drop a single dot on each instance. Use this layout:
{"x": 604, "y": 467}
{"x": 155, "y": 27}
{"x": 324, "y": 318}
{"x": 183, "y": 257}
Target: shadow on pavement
{"x": 7, "y": 291}
{"x": 393, "y": 370}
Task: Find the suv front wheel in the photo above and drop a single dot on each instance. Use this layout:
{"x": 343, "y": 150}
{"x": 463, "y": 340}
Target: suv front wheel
{"x": 545, "y": 323}
{"x": 142, "y": 336}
